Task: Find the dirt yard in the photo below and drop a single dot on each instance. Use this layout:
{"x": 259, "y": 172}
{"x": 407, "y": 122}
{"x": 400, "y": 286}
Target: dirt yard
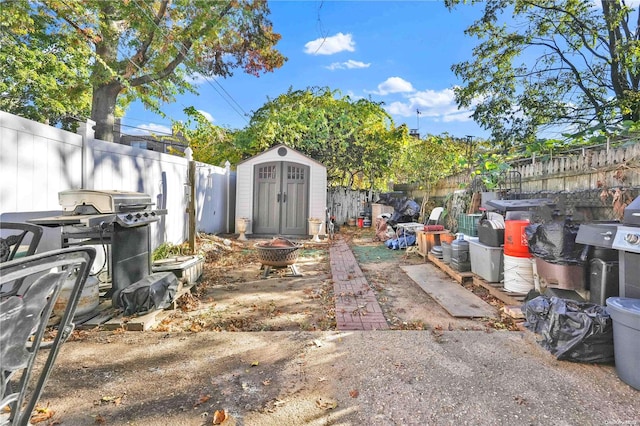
{"x": 234, "y": 296}
{"x": 266, "y": 352}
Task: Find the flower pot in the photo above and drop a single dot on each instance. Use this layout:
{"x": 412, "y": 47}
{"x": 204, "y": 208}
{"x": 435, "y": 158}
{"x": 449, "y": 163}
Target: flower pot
{"x": 241, "y": 227}
{"x": 314, "y": 229}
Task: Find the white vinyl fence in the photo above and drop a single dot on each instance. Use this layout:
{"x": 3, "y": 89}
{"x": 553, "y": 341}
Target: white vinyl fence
{"x": 38, "y": 161}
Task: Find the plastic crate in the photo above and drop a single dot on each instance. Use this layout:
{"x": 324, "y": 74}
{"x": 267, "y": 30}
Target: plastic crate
{"x": 486, "y": 261}
{"x": 468, "y": 224}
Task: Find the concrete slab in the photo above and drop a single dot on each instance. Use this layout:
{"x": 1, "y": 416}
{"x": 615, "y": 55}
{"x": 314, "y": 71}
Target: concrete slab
{"x": 454, "y": 298}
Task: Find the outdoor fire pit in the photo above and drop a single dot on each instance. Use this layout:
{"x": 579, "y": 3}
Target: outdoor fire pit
{"x": 278, "y": 253}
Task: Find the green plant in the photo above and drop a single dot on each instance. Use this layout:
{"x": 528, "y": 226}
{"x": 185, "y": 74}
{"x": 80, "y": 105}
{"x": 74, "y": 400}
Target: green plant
{"x": 166, "y": 250}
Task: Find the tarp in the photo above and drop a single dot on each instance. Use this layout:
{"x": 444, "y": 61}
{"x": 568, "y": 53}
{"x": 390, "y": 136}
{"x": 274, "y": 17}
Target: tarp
{"x": 404, "y": 209}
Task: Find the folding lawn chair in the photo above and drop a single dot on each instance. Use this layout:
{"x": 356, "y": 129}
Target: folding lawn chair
{"x": 29, "y": 289}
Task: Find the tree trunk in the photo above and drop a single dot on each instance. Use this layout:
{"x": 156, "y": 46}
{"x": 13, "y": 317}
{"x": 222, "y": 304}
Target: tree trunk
{"x": 103, "y": 110}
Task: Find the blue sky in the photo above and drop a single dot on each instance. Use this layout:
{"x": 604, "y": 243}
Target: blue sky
{"x": 396, "y": 52}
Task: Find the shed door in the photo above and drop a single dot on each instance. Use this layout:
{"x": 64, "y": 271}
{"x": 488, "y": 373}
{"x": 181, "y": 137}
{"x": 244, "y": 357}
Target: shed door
{"x": 280, "y": 198}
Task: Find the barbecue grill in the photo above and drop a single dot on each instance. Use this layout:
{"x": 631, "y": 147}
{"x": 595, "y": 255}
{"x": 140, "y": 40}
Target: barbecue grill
{"x": 119, "y": 219}
{"x": 627, "y": 242}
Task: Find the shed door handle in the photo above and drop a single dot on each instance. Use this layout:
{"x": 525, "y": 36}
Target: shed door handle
{"x": 284, "y": 197}
{"x": 278, "y": 197}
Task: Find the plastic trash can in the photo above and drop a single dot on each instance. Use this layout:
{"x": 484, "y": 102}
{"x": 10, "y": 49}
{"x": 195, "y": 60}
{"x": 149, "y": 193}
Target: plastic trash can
{"x": 625, "y": 314}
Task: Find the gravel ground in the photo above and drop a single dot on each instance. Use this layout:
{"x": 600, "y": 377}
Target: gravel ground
{"x": 330, "y": 378}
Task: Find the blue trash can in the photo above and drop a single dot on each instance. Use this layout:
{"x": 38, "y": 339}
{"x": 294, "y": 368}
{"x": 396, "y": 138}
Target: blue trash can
{"x": 625, "y": 313}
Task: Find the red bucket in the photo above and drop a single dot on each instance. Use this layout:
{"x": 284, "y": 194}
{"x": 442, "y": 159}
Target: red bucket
{"x": 515, "y": 238}
{"x": 360, "y": 222}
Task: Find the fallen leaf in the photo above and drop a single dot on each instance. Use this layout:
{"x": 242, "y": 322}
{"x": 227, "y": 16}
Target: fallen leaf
{"x": 322, "y": 379}
{"x": 116, "y": 400}
{"x": 266, "y": 382}
{"x": 255, "y": 363}
{"x": 326, "y": 403}
{"x": 318, "y": 343}
{"x": 353, "y": 393}
{"x": 99, "y": 420}
{"x": 41, "y": 414}
{"x": 202, "y": 400}
{"x": 219, "y": 416}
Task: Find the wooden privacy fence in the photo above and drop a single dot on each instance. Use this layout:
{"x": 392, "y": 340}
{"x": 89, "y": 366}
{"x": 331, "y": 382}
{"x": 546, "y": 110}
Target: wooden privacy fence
{"x": 587, "y": 170}
{"x": 346, "y": 203}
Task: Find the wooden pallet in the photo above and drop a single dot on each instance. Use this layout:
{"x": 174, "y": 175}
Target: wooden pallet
{"x": 497, "y": 290}
{"x": 460, "y": 277}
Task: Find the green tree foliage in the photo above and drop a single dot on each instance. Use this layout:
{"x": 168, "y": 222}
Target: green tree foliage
{"x": 426, "y": 161}
{"x": 572, "y": 64}
{"x": 41, "y": 78}
{"x": 356, "y": 140}
{"x": 148, "y": 49}
{"x": 210, "y": 144}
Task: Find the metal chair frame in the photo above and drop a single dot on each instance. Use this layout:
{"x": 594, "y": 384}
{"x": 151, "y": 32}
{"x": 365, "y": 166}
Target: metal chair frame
{"x": 14, "y": 241}
{"x": 30, "y": 288}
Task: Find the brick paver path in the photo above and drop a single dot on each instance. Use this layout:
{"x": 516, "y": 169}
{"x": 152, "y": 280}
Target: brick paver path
{"x": 356, "y": 305}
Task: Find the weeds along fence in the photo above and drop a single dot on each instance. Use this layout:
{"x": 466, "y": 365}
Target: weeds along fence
{"x": 593, "y": 183}
{"x": 586, "y": 169}
{"x": 39, "y": 161}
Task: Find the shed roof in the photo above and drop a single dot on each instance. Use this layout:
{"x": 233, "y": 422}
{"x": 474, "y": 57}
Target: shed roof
{"x": 286, "y": 146}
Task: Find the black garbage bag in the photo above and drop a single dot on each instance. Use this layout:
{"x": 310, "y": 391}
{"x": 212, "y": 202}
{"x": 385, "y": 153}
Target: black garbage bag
{"x": 536, "y": 313}
{"x": 404, "y": 209}
{"x": 555, "y": 242}
{"x": 571, "y": 330}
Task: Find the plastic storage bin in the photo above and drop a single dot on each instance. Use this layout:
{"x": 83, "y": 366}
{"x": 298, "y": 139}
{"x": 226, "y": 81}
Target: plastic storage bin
{"x": 486, "y": 261}
{"x": 625, "y": 314}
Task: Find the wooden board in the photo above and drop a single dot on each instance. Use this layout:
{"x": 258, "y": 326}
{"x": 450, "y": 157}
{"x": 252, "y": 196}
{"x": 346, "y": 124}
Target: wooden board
{"x": 460, "y": 277}
{"x": 454, "y": 298}
{"x": 497, "y": 290}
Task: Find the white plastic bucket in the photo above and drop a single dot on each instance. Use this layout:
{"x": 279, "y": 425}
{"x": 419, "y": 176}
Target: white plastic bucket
{"x": 518, "y": 274}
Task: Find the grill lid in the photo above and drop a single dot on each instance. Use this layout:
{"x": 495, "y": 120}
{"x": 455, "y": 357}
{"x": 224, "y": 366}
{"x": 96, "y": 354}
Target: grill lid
{"x": 632, "y": 213}
{"x": 597, "y": 234}
{"x": 86, "y": 201}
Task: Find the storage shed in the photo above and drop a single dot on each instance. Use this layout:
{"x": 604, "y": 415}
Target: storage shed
{"x": 279, "y": 190}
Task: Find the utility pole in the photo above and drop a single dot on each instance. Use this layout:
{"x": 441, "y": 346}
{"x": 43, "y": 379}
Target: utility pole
{"x": 469, "y": 150}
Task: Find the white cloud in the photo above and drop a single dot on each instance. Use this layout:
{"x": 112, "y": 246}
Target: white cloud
{"x": 330, "y": 45}
{"x": 207, "y": 115}
{"x": 394, "y": 85}
{"x": 353, "y": 96}
{"x": 147, "y": 129}
{"x": 350, "y": 64}
{"x": 197, "y": 79}
{"x": 438, "y": 105}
